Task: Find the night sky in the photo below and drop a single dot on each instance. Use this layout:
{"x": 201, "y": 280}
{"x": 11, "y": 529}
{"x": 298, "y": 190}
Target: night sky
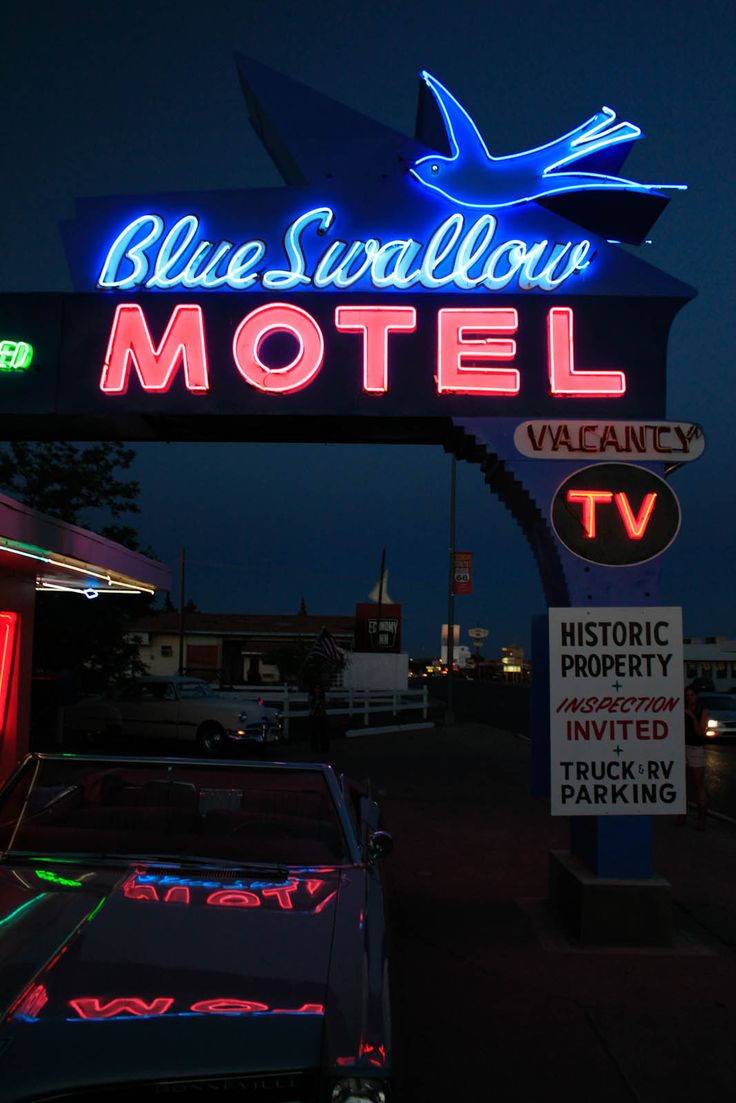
{"x": 124, "y": 99}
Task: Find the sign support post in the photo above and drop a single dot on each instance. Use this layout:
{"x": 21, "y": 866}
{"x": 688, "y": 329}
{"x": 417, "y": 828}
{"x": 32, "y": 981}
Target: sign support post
{"x": 449, "y": 711}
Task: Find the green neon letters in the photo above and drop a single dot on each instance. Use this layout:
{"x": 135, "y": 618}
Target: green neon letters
{"x": 48, "y": 875}
{"x": 15, "y": 355}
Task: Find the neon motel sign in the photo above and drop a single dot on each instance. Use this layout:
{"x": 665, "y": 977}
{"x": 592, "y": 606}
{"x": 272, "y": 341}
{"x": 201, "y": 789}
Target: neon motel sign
{"x": 433, "y": 285}
{"x": 457, "y": 253}
{"x": 475, "y": 350}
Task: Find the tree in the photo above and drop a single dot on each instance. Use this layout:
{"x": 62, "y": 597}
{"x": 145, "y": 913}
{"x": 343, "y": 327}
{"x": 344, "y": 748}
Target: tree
{"x": 88, "y": 639}
{"x": 79, "y": 485}
{"x": 84, "y": 486}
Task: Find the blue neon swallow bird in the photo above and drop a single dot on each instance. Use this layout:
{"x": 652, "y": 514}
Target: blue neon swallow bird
{"x": 471, "y": 177}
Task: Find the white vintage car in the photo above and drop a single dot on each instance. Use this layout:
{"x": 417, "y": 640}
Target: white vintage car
{"x": 175, "y": 708}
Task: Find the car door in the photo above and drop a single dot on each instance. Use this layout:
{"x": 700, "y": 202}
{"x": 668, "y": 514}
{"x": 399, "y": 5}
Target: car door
{"x": 151, "y": 711}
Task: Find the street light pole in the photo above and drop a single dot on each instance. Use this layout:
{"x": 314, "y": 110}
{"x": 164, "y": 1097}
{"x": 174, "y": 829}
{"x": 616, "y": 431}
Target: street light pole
{"x": 449, "y": 713}
{"x": 182, "y": 569}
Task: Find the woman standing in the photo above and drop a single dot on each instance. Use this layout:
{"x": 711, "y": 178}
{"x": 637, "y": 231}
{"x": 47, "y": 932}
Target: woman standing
{"x": 696, "y": 725}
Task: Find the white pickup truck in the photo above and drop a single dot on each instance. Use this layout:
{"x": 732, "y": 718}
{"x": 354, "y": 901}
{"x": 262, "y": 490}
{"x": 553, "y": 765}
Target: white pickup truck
{"x": 175, "y": 708}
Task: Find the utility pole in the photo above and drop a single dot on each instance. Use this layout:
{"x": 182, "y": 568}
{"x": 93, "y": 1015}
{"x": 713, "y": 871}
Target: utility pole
{"x": 380, "y": 600}
{"x": 449, "y": 714}
{"x": 182, "y": 573}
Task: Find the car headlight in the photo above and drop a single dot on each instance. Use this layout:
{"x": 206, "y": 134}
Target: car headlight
{"x": 358, "y": 1090}
{"x": 712, "y": 728}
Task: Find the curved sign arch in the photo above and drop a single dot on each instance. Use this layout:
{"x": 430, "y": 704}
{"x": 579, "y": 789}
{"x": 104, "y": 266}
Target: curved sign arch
{"x": 417, "y": 289}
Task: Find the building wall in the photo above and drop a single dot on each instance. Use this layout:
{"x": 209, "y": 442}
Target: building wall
{"x": 371, "y": 670}
{"x": 161, "y": 654}
{"x": 460, "y": 655}
{"x": 713, "y": 657}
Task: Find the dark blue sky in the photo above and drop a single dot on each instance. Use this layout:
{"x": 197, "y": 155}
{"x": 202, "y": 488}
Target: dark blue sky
{"x": 106, "y": 99}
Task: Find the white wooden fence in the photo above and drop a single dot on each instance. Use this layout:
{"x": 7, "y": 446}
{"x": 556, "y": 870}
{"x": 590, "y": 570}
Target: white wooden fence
{"x": 340, "y": 702}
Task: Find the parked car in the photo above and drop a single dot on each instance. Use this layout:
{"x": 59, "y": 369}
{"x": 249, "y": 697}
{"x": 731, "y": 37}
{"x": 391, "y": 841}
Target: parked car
{"x": 187, "y": 926}
{"x": 177, "y": 707}
{"x": 722, "y": 710}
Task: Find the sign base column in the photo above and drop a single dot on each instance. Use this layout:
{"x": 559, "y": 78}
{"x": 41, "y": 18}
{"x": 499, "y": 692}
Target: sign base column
{"x": 609, "y": 911}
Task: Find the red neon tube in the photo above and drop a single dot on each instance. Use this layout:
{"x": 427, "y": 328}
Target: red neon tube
{"x": 8, "y": 636}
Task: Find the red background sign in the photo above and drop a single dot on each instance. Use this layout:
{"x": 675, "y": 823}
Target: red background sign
{"x": 462, "y": 573}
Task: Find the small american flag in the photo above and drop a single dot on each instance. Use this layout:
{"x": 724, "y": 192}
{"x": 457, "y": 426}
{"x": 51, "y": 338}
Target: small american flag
{"x": 325, "y": 647}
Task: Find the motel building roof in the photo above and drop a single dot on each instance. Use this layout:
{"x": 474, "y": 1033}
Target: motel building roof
{"x": 263, "y": 626}
{"x": 67, "y": 557}
{"x": 41, "y": 553}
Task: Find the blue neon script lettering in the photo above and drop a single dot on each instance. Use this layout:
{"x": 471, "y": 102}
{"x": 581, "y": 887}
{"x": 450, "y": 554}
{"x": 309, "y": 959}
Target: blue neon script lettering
{"x": 461, "y": 252}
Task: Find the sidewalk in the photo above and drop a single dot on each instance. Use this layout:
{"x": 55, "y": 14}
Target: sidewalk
{"x": 491, "y": 1000}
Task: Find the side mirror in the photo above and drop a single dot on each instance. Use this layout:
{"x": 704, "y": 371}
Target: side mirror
{"x": 380, "y": 845}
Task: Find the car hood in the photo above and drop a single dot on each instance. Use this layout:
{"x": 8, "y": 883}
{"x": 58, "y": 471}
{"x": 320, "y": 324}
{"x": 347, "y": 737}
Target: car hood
{"x": 149, "y": 972}
{"x": 243, "y": 703}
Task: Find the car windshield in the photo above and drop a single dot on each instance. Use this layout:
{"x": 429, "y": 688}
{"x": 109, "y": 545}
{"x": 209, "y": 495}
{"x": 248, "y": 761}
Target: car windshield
{"x": 229, "y": 812}
{"x": 724, "y": 703}
{"x": 190, "y": 690}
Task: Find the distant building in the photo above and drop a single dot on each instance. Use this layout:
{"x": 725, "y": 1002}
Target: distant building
{"x": 234, "y": 648}
{"x": 514, "y": 667}
{"x": 712, "y": 659}
{"x": 460, "y": 655}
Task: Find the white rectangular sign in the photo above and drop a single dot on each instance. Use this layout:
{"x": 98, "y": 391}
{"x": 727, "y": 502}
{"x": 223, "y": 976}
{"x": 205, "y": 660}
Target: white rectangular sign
{"x": 616, "y": 712}
{"x": 678, "y": 441}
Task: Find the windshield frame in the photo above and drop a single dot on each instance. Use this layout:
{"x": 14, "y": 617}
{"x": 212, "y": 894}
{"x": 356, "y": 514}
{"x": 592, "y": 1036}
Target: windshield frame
{"x": 351, "y": 851}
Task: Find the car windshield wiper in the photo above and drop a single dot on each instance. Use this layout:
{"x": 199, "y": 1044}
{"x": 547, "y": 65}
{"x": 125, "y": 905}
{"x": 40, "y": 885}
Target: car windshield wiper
{"x": 213, "y": 863}
{"x": 193, "y": 860}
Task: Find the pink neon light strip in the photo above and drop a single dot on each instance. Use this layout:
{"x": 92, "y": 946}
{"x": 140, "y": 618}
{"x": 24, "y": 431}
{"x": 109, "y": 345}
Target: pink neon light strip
{"x": 8, "y": 634}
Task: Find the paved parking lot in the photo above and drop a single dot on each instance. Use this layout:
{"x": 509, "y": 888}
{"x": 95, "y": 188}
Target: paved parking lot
{"x": 491, "y": 1000}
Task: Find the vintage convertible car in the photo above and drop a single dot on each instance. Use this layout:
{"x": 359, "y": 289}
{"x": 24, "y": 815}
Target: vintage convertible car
{"x": 175, "y": 708}
{"x": 190, "y": 927}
